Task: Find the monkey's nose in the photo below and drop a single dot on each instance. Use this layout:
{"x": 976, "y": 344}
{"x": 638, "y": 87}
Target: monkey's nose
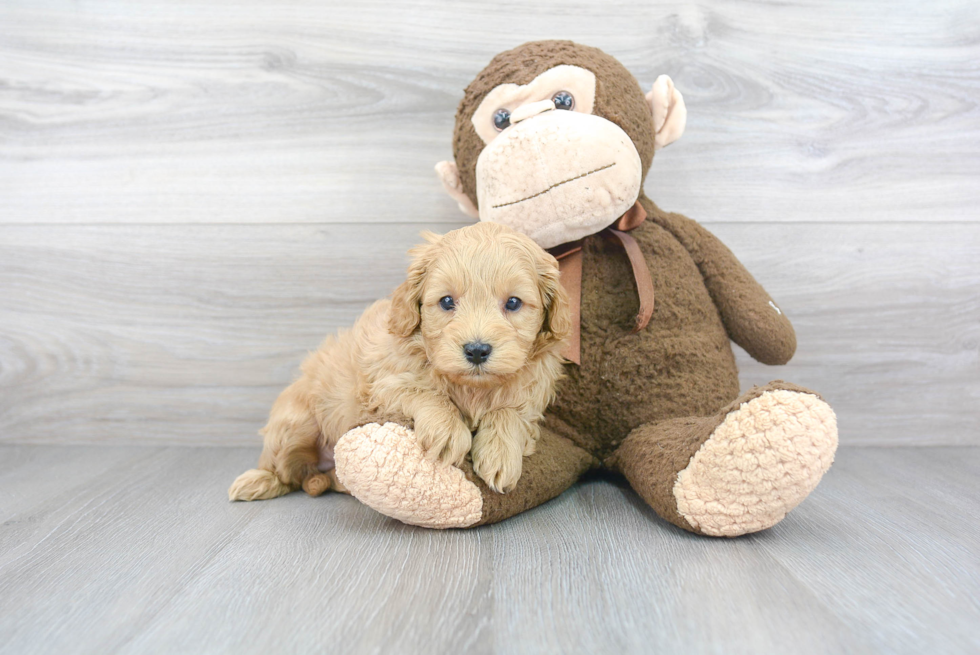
{"x": 530, "y": 109}
{"x": 477, "y": 352}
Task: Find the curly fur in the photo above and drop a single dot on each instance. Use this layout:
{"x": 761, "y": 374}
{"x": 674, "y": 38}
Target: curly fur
{"x": 403, "y": 361}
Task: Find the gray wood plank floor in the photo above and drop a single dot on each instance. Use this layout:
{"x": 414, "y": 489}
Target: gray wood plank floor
{"x": 136, "y": 550}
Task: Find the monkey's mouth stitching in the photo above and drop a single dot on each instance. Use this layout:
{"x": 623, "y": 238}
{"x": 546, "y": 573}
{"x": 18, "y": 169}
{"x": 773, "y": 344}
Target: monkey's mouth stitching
{"x": 557, "y": 184}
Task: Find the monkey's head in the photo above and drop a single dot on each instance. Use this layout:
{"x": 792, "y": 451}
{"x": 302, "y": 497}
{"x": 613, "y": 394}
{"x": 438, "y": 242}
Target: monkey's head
{"x": 554, "y": 139}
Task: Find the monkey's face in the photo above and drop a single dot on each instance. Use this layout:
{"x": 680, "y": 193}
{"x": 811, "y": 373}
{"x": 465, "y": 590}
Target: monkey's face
{"x": 550, "y": 167}
{"x": 557, "y": 151}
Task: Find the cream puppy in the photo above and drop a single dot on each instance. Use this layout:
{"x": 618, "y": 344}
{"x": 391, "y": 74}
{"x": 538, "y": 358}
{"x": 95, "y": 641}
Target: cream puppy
{"x": 466, "y": 351}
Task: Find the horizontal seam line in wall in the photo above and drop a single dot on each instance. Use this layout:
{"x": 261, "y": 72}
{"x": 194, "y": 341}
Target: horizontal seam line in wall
{"x": 411, "y": 223}
{"x": 162, "y": 443}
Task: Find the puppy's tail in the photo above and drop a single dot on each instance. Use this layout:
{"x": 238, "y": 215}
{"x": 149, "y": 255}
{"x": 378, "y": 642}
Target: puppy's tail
{"x": 257, "y": 484}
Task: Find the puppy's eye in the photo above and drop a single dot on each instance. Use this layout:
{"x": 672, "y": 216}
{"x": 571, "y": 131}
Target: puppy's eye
{"x": 513, "y": 304}
{"x": 447, "y": 303}
{"x": 563, "y": 100}
{"x": 501, "y": 119}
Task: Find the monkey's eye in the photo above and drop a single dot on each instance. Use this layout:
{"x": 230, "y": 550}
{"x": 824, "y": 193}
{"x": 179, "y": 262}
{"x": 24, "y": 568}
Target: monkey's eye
{"x": 563, "y": 100}
{"x": 501, "y": 119}
{"x": 447, "y": 303}
{"x": 513, "y": 304}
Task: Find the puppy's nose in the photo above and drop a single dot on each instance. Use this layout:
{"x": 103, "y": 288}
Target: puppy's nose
{"x": 477, "y": 352}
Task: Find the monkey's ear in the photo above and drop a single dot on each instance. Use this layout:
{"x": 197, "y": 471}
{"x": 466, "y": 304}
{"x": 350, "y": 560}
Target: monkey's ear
{"x": 405, "y": 314}
{"x": 669, "y": 112}
{"x": 449, "y": 175}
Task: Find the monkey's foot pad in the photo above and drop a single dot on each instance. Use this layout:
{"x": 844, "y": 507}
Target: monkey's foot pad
{"x": 384, "y": 467}
{"x": 758, "y": 464}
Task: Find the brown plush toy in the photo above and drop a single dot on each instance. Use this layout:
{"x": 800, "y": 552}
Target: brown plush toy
{"x": 555, "y": 139}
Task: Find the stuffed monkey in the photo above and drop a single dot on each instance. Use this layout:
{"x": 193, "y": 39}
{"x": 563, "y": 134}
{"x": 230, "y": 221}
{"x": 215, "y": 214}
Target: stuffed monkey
{"x": 555, "y": 139}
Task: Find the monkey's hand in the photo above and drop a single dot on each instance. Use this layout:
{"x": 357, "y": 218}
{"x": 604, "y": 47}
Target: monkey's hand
{"x": 752, "y": 319}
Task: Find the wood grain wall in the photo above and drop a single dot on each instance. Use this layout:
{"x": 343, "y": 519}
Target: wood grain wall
{"x": 193, "y": 193}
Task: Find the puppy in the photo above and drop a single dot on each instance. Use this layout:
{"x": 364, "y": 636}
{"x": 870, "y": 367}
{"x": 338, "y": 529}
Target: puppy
{"x": 466, "y": 351}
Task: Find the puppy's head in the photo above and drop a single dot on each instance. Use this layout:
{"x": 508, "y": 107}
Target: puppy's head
{"x": 484, "y": 300}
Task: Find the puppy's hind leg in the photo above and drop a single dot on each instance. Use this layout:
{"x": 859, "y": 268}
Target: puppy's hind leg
{"x": 257, "y": 484}
{"x": 316, "y": 484}
{"x": 290, "y": 453}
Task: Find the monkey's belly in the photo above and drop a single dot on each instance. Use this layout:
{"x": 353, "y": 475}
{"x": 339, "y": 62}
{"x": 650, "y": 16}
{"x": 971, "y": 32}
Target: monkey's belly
{"x": 680, "y": 364}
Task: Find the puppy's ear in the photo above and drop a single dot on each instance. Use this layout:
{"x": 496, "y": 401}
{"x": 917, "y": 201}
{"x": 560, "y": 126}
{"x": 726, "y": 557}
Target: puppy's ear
{"x": 557, "y": 323}
{"x": 406, "y": 315}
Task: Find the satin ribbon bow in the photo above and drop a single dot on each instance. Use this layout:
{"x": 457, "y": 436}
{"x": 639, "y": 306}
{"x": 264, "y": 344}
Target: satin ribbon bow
{"x": 569, "y": 256}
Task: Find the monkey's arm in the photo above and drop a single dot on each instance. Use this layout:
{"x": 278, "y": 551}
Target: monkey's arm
{"x": 751, "y": 318}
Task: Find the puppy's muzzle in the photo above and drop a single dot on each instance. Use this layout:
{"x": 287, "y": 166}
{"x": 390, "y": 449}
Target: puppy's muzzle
{"x": 477, "y": 352}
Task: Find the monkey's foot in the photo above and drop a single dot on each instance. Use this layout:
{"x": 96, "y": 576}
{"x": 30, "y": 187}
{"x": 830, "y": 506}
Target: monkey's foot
{"x": 764, "y": 458}
{"x": 738, "y": 471}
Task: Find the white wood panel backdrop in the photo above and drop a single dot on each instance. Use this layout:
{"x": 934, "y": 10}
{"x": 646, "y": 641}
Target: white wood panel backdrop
{"x": 193, "y": 193}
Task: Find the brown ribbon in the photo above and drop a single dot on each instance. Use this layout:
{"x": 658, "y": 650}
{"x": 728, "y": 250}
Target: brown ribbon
{"x": 569, "y": 256}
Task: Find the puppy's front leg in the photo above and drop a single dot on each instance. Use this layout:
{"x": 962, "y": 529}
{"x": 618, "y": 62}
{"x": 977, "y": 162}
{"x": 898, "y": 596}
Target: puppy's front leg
{"x": 499, "y": 447}
{"x": 440, "y": 430}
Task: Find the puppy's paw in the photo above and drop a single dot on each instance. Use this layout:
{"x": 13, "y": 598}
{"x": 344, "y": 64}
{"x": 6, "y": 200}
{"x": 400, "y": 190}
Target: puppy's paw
{"x": 316, "y": 484}
{"x": 445, "y": 438}
{"x": 498, "y": 459}
{"x": 257, "y": 484}
{"x": 531, "y": 440}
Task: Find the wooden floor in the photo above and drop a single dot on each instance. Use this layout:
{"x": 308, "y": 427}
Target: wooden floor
{"x": 136, "y": 550}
